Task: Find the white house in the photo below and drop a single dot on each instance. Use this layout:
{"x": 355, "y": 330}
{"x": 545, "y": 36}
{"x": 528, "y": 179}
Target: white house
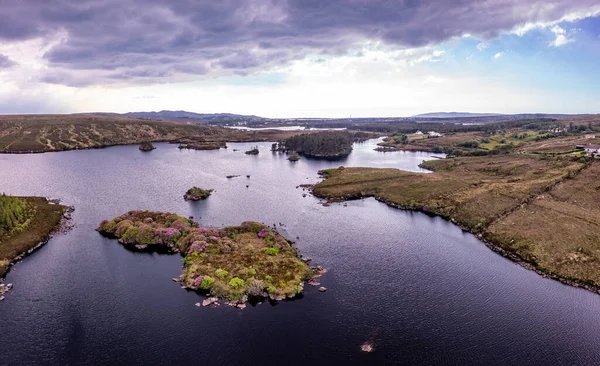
{"x": 434, "y": 134}
{"x": 592, "y": 149}
{"x": 418, "y": 133}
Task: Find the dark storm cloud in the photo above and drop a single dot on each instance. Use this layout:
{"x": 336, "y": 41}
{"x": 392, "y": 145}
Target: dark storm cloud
{"x": 154, "y": 40}
{"x": 6, "y": 62}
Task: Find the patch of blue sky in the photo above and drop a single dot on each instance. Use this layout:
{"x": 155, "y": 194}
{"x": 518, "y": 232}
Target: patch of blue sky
{"x": 530, "y": 60}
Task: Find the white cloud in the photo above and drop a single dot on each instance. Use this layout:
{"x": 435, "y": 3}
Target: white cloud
{"x": 561, "y": 37}
{"x": 482, "y": 46}
{"x": 560, "y": 40}
{"x": 571, "y": 18}
{"x": 498, "y": 55}
{"x": 432, "y": 79}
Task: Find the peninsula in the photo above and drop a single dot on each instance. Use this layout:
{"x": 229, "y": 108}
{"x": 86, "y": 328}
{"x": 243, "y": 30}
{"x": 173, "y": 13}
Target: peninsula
{"x": 25, "y": 224}
{"x": 539, "y": 210}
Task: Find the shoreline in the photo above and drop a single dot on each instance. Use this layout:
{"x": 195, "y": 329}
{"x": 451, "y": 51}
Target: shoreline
{"x": 497, "y": 248}
{"x": 231, "y": 264}
{"x": 171, "y": 142}
{"x": 63, "y": 226}
{"x": 481, "y": 236}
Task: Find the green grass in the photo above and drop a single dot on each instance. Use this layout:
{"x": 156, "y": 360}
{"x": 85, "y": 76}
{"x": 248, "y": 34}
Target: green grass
{"x": 508, "y": 138}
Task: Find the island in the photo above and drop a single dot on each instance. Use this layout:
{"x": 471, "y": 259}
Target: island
{"x": 328, "y": 144}
{"x": 233, "y": 263}
{"x": 253, "y": 151}
{"x": 197, "y": 194}
{"x": 26, "y": 223}
{"x": 203, "y": 145}
{"x": 147, "y": 146}
{"x": 293, "y": 156}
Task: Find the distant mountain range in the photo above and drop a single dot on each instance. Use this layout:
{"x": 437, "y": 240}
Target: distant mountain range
{"x": 189, "y": 115}
{"x": 230, "y": 119}
{"x": 185, "y": 116}
{"x": 455, "y": 115}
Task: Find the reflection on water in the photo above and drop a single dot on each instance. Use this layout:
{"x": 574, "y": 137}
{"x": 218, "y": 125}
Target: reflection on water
{"x": 415, "y": 287}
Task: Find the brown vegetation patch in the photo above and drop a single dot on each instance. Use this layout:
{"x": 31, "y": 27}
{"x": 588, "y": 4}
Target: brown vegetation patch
{"x": 544, "y": 210}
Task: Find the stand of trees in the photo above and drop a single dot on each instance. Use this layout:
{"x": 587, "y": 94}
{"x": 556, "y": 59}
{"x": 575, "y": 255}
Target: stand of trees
{"x": 322, "y": 144}
{"x": 12, "y": 213}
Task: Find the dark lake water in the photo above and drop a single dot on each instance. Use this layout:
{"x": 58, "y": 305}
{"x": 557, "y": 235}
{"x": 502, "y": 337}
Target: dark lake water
{"x": 417, "y": 287}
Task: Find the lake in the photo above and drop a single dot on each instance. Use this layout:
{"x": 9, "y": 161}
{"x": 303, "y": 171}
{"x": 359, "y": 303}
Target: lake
{"x": 417, "y": 287}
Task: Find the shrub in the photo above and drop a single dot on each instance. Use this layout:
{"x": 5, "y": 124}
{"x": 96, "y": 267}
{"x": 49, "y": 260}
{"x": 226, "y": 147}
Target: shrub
{"x": 473, "y": 144}
{"x": 236, "y": 283}
{"x": 255, "y": 287}
{"x": 207, "y": 282}
{"x": 271, "y": 289}
{"x": 221, "y": 273}
{"x": 272, "y": 251}
{"x": 252, "y": 272}
{"x": 456, "y": 152}
{"x": 252, "y": 226}
{"x": 130, "y": 236}
{"x": 219, "y": 289}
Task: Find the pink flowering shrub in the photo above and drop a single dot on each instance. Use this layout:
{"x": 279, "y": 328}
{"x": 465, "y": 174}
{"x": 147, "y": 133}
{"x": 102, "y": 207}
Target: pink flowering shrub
{"x": 198, "y": 247}
{"x": 263, "y": 232}
{"x": 233, "y": 262}
{"x": 147, "y": 228}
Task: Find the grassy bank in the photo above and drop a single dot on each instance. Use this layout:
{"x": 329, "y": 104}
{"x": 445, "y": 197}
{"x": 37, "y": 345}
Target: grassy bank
{"x": 33, "y": 133}
{"x": 36, "y": 219}
{"x": 44, "y": 133}
{"x": 544, "y": 211}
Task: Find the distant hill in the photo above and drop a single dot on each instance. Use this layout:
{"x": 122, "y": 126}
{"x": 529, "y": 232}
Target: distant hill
{"x": 185, "y": 116}
{"x": 455, "y": 115}
{"x": 190, "y": 115}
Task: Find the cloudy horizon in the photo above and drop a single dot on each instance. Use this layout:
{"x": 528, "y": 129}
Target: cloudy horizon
{"x": 286, "y": 58}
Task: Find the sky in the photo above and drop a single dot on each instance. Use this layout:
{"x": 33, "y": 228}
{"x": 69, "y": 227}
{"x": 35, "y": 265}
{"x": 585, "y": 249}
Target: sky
{"x": 300, "y": 58}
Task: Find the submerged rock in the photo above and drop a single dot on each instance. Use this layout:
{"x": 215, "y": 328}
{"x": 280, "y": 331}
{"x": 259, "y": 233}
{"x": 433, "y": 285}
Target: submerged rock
{"x": 322, "y": 289}
{"x": 209, "y": 301}
{"x": 367, "y": 347}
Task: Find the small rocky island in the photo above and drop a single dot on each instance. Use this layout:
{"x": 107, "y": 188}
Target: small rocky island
{"x": 197, "y": 194}
{"x": 231, "y": 263}
{"x": 147, "y": 146}
{"x": 253, "y": 151}
{"x": 202, "y": 145}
